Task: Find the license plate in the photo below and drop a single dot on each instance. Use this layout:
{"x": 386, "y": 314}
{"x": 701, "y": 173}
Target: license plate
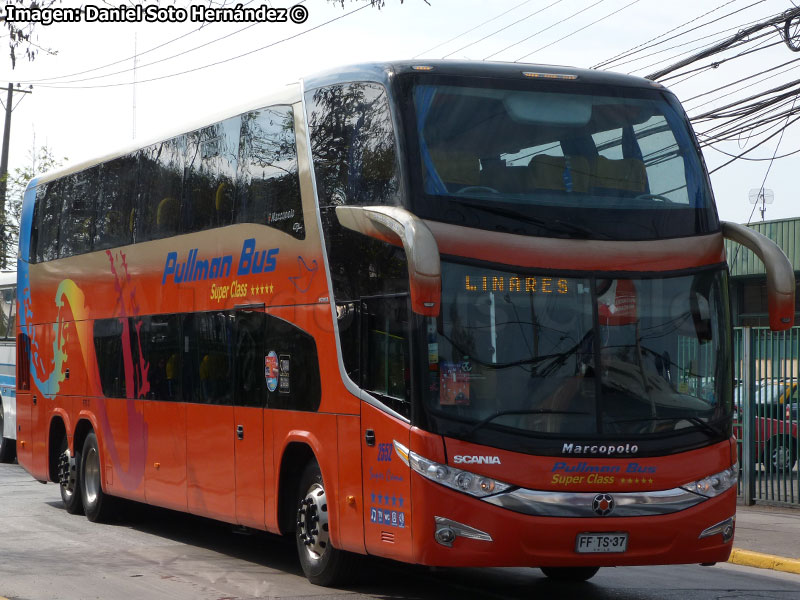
{"x": 601, "y": 542}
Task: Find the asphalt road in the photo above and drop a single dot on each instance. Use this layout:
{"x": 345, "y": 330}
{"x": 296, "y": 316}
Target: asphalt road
{"x": 46, "y": 553}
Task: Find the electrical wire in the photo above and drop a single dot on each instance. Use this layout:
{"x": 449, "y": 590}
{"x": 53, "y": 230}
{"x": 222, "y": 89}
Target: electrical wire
{"x": 504, "y": 28}
{"x": 564, "y": 20}
{"x": 463, "y": 33}
{"x": 647, "y": 45}
{"x": 579, "y": 30}
{"x": 214, "y": 64}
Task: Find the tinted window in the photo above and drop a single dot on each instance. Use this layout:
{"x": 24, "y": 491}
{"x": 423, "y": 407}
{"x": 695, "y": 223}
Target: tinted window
{"x": 210, "y": 185}
{"x": 291, "y": 367}
{"x": 250, "y": 366}
{"x": 160, "y": 184}
{"x": 46, "y": 217}
{"x": 8, "y": 303}
{"x": 115, "y": 204}
{"x": 159, "y": 340}
{"x": 77, "y": 212}
{"x": 353, "y": 145}
{"x": 386, "y": 369}
{"x": 269, "y": 186}
{"x": 208, "y": 368}
{"x": 108, "y": 340}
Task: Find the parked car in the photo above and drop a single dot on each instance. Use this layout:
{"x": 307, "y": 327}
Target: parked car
{"x": 776, "y": 427}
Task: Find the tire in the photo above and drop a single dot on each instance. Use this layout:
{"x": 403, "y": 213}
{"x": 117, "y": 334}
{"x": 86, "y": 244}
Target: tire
{"x": 781, "y": 455}
{"x": 97, "y": 505}
{"x": 8, "y": 447}
{"x": 570, "y": 573}
{"x": 322, "y": 563}
{"x": 69, "y": 480}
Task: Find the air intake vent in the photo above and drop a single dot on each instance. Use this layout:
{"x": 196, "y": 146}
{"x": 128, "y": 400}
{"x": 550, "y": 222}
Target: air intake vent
{"x": 387, "y": 537}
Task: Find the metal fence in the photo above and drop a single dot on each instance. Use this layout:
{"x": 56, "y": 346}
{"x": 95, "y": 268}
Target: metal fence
{"x": 766, "y": 422}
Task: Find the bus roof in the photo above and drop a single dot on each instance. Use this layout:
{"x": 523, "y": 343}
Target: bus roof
{"x": 376, "y": 71}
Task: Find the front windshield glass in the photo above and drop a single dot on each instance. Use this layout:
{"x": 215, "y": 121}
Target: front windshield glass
{"x": 585, "y": 357}
{"x": 523, "y": 156}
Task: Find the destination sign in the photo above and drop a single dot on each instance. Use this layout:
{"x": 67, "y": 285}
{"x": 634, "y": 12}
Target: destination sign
{"x": 514, "y": 284}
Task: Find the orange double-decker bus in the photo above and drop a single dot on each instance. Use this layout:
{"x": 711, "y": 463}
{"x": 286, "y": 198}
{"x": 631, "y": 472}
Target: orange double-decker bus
{"x": 448, "y": 313}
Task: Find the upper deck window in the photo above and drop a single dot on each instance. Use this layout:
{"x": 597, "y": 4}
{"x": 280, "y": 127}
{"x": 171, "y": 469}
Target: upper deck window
{"x": 555, "y": 159}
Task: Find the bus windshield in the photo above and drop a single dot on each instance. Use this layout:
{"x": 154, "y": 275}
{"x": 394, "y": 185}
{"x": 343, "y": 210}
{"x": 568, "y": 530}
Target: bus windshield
{"x": 589, "y": 358}
{"x": 521, "y": 157}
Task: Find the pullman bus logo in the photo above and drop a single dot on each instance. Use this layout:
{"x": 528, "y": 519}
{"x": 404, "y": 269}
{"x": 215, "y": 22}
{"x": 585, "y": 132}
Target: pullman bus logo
{"x": 603, "y": 504}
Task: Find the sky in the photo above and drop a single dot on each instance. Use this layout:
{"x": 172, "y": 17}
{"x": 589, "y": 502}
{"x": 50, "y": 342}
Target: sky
{"x": 85, "y": 103}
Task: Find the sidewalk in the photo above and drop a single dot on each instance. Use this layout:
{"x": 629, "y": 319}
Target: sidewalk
{"x": 767, "y": 537}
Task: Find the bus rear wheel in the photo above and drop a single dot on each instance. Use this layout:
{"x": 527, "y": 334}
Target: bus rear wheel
{"x": 68, "y": 470}
{"x": 322, "y": 563}
{"x": 570, "y": 573}
{"x": 97, "y": 505}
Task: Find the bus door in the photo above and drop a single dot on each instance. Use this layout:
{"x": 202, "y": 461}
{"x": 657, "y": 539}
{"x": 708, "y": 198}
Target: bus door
{"x": 251, "y": 421}
{"x": 209, "y": 414}
{"x": 385, "y": 375}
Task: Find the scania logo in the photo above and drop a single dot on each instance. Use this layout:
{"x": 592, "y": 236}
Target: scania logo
{"x": 476, "y": 460}
{"x": 603, "y": 504}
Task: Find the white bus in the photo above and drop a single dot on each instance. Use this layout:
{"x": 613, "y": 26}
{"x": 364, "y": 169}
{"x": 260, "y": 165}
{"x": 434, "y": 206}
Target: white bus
{"x": 8, "y": 361}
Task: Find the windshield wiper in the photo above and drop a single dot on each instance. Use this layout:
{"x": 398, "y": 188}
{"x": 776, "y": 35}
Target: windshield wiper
{"x": 556, "y": 225}
{"x": 538, "y": 411}
{"x": 704, "y": 426}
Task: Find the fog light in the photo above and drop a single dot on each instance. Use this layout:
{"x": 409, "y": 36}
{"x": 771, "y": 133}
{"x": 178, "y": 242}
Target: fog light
{"x": 724, "y": 528}
{"x": 445, "y": 536}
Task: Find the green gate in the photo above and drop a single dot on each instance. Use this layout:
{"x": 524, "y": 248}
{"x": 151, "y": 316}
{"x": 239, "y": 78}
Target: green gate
{"x": 766, "y": 414}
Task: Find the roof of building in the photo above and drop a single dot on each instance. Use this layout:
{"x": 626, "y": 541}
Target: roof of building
{"x": 784, "y": 232}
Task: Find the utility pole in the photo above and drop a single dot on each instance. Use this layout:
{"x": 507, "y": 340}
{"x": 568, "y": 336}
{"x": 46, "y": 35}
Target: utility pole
{"x": 4, "y": 171}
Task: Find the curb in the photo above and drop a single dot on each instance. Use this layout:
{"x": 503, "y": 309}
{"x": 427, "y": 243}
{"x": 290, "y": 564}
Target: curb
{"x": 764, "y": 561}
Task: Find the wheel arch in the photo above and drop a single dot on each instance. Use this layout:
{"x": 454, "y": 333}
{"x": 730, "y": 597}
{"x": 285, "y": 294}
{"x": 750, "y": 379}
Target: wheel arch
{"x": 58, "y": 431}
{"x": 299, "y": 449}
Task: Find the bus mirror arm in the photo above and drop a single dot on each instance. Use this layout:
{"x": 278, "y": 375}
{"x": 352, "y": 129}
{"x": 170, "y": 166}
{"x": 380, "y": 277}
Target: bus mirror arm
{"x": 780, "y": 275}
{"x": 397, "y": 226}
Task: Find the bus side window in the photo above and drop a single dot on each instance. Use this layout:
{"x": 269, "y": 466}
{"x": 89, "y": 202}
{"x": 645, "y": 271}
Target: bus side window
{"x": 250, "y": 380}
{"x": 210, "y": 179}
{"x": 353, "y": 145}
{"x": 158, "y": 202}
{"x": 292, "y": 355}
{"x": 78, "y": 212}
{"x": 269, "y": 187}
{"x": 7, "y": 304}
{"x": 385, "y": 351}
{"x": 115, "y": 201}
{"x": 208, "y": 358}
{"x": 159, "y": 337}
{"x": 48, "y": 214}
{"x": 110, "y": 356}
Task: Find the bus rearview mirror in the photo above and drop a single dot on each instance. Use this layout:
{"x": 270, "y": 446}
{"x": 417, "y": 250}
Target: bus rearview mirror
{"x": 399, "y": 227}
{"x": 780, "y": 275}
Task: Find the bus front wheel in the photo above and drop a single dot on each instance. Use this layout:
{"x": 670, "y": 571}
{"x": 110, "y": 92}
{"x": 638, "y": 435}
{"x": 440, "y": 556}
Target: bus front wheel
{"x": 570, "y": 573}
{"x": 96, "y": 503}
{"x": 322, "y": 563}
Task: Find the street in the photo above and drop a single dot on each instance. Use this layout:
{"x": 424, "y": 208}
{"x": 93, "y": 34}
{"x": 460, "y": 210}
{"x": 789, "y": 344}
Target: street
{"x": 152, "y": 553}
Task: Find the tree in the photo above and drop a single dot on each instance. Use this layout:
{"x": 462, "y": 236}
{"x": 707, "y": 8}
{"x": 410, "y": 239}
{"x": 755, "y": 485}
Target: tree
{"x": 22, "y": 35}
{"x": 40, "y": 161}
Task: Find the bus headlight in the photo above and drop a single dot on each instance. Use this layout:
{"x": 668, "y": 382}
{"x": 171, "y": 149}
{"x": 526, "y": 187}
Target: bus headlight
{"x": 714, "y": 485}
{"x": 457, "y": 479}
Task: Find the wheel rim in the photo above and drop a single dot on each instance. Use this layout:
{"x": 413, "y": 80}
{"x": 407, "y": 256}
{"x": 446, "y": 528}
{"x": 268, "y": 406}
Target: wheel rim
{"x": 312, "y": 522}
{"x": 68, "y": 475}
{"x": 781, "y": 457}
{"x": 91, "y": 475}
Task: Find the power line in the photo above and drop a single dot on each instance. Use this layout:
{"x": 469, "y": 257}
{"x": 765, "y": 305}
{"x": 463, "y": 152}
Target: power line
{"x": 578, "y": 30}
{"x": 504, "y": 28}
{"x": 575, "y": 14}
{"x": 214, "y": 64}
{"x": 646, "y": 45}
{"x": 473, "y": 29}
